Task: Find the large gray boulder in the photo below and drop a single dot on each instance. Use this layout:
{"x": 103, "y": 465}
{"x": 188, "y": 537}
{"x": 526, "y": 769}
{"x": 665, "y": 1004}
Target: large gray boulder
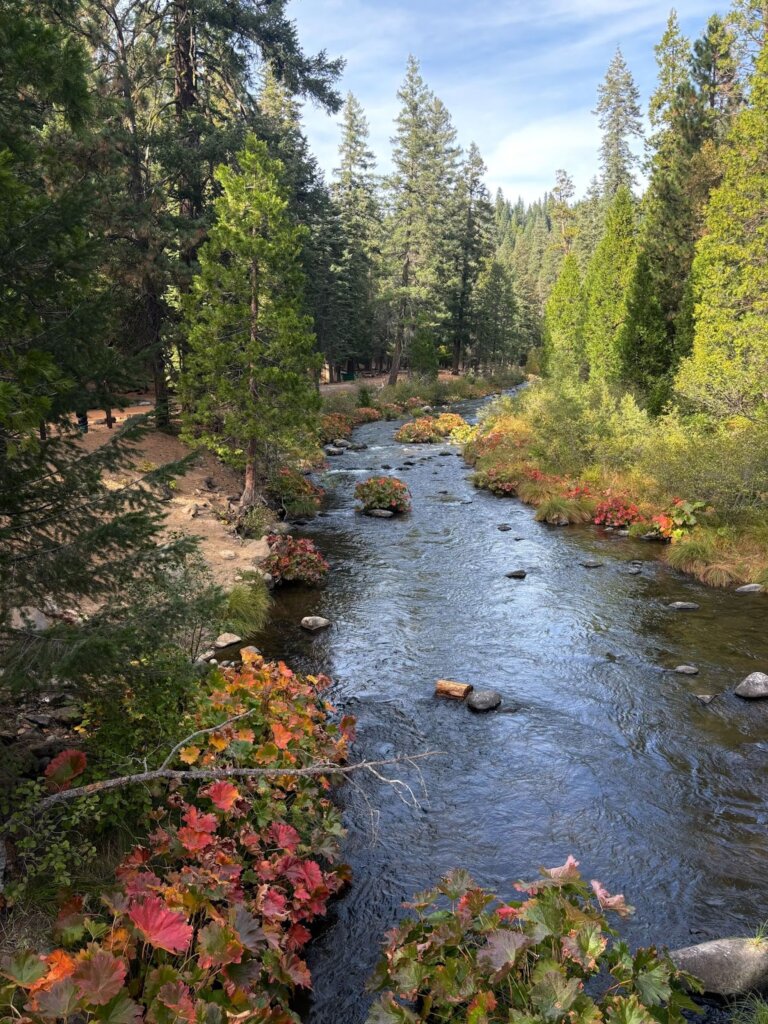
{"x": 754, "y": 687}
{"x": 726, "y": 967}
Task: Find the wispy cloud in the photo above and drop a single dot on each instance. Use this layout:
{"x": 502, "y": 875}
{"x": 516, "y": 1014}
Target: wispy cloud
{"x": 520, "y": 78}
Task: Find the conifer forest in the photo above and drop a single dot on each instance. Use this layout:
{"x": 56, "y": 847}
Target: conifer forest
{"x": 371, "y": 536}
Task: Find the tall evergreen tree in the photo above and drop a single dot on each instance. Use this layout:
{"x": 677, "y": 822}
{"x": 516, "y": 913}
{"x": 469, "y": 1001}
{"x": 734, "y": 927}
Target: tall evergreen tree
{"x": 618, "y": 111}
{"x": 605, "y": 289}
{"x": 249, "y": 381}
{"x": 564, "y": 324}
{"x": 419, "y": 238}
{"x": 355, "y": 194}
{"x": 473, "y": 217}
{"x": 495, "y": 340}
{"x": 727, "y": 371}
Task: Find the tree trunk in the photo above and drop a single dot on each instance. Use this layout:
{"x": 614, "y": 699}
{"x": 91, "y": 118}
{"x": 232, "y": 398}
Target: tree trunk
{"x": 250, "y": 495}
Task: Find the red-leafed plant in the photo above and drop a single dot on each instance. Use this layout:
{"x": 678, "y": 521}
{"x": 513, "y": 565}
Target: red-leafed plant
{"x": 365, "y": 414}
{"x": 333, "y": 425}
{"x": 294, "y": 561}
{"x": 209, "y": 916}
{"x": 617, "y": 511}
{"x": 383, "y": 492}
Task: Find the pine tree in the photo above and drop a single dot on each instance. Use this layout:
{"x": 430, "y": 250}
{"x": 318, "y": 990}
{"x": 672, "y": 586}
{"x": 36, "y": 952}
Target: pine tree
{"x": 249, "y": 381}
{"x": 473, "y": 216}
{"x": 564, "y": 324}
{"x": 673, "y": 55}
{"x": 727, "y": 371}
{"x": 495, "y": 340}
{"x": 618, "y": 110}
{"x": 420, "y": 244}
{"x": 605, "y": 289}
{"x": 684, "y": 169}
{"x": 355, "y": 194}
{"x": 69, "y": 543}
{"x": 590, "y": 224}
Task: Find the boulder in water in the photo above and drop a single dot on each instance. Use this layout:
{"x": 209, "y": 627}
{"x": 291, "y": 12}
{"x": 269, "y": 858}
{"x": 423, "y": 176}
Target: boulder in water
{"x": 592, "y": 563}
{"x": 314, "y": 623}
{"x": 687, "y": 670}
{"x": 726, "y": 967}
{"x": 751, "y": 588}
{"x": 683, "y": 606}
{"x": 517, "y": 574}
{"x": 483, "y": 700}
{"x": 333, "y": 450}
{"x": 504, "y": 527}
{"x": 754, "y": 687}
{"x": 380, "y": 513}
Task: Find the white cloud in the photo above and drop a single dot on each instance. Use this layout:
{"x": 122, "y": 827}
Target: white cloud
{"x": 519, "y": 78}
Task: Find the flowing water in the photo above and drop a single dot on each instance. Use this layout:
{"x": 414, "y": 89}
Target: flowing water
{"x": 610, "y": 755}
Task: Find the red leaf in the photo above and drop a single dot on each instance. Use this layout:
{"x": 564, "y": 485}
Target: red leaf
{"x": 177, "y": 997}
{"x": 273, "y": 904}
{"x": 193, "y": 841}
{"x": 65, "y": 767}
{"x": 296, "y": 970}
{"x": 282, "y": 735}
{"x": 99, "y": 977}
{"x": 285, "y": 836}
{"x": 297, "y": 937}
{"x": 222, "y": 794}
{"x": 200, "y": 822}
{"x": 160, "y": 926}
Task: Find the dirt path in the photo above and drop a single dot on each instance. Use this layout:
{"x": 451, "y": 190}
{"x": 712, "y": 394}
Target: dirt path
{"x": 200, "y": 497}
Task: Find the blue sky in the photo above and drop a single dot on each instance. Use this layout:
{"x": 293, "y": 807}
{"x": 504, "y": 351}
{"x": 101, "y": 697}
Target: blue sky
{"x": 520, "y": 78}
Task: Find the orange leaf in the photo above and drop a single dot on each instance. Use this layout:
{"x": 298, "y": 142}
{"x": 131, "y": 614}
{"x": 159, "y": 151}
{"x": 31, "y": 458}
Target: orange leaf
{"x": 189, "y": 754}
{"x": 282, "y": 735}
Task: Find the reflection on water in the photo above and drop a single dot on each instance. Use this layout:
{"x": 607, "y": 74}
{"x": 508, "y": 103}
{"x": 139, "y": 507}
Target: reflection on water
{"x": 611, "y": 757}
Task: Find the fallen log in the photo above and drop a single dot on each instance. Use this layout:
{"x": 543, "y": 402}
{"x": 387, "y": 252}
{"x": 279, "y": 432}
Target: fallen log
{"x": 451, "y": 690}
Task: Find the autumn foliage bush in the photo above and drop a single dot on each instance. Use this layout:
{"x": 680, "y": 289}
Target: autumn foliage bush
{"x": 295, "y": 492}
{"x": 429, "y": 429}
{"x": 365, "y": 414}
{"x": 294, "y": 561}
{"x": 383, "y": 492}
{"x": 617, "y": 511}
{"x": 467, "y": 957}
{"x": 335, "y": 424}
{"x": 209, "y": 916}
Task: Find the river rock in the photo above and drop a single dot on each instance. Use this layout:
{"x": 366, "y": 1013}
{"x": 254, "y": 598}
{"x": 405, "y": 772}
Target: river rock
{"x": 250, "y": 649}
{"x": 634, "y": 570}
{"x": 683, "y": 606}
{"x": 726, "y": 967}
{"x": 754, "y": 687}
{"x": 358, "y": 446}
{"x": 751, "y": 588}
{"x": 380, "y": 513}
{"x": 705, "y": 698}
{"x": 333, "y": 449}
{"x": 687, "y": 670}
{"x": 70, "y": 714}
{"x": 504, "y": 527}
{"x": 592, "y": 563}
{"x": 314, "y": 623}
{"x": 226, "y": 640}
{"x": 483, "y": 700}
{"x": 517, "y": 574}
{"x": 385, "y": 465}
{"x": 341, "y": 442}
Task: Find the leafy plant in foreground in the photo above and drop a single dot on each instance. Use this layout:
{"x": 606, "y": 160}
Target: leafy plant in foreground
{"x": 469, "y": 958}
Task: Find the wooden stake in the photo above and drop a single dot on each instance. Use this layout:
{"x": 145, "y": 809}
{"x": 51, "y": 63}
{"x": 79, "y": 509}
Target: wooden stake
{"x": 451, "y": 690}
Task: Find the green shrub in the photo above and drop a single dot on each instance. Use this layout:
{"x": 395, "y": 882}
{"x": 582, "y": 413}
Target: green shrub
{"x": 466, "y": 957}
{"x": 294, "y": 492}
{"x": 248, "y": 606}
{"x": 559, "y": 511}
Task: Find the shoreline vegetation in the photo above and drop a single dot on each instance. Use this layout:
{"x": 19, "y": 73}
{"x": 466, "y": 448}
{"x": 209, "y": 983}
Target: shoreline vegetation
{"x": 579, "y": 454}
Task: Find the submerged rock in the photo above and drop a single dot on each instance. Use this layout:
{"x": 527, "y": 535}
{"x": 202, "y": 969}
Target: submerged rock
{"x": 705, "y": 698}
{"x": 380, "y": 513}
{"x": 634, "y": 570}
{"x": 333, "y": 449}
{"x": 592, "y": 563}
{"x": 754, "y": 687}
{"x": 683, "y": 606}
{"x": 687, "y": 670}
{"x": 726, "y": 967}
{"x": 751, "y": 588}
{"x": 483, "y": 700}
{"x": 314, "y": 623}
{"x": 504, "y": 527}
{"x": 517, "y": 574}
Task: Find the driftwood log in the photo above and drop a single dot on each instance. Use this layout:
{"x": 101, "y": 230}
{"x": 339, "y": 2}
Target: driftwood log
{"x": 451, "y": 690}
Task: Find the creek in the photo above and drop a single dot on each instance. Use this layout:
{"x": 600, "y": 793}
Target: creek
{"x": 611, "y": 755}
